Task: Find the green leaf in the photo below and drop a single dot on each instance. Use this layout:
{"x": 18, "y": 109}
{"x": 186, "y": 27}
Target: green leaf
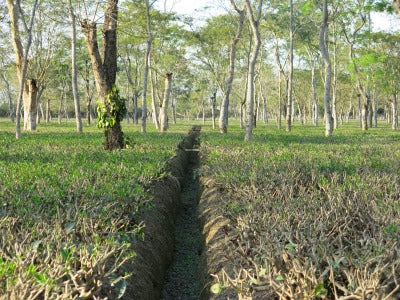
{"x": 279, "y": 278}
{"x": 320, "y": 290}
{"x": 216, "y": 288}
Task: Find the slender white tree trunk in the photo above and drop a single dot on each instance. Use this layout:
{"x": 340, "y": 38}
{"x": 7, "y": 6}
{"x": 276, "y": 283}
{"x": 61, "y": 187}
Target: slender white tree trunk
{"x": 224, "y": 113}
{"x": 254, "y": 20}
{"x": 146, "y": 67}
{"x": 9, "y": 97}
{"x": 289, "y": 110}
{"x": 395, "y": 112}
{"x": 164, "y": 108}
{"x": 334, "y": 83}
{"x": 328, "y": 71}
{"x": 154, "y": 105}
{"x": 77, "y": 106}
{"x": 375, "y": 109}
{"x": 213, "y": 104}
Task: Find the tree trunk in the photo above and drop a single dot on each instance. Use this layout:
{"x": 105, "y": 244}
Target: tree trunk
{"x": 48, "y": 111}
{"x": 315, "y": 100}
{"x": 74, "y": 70}
{"x": 60, "y": 106}
{"x": 254, "y": 20}
{"x": 9, "y": 97}
{"x": 370, "y": 112}
{"x": 30, "y": 105}
{"x": 334, "y": 83}
{"x": 27, "y": 89}
{"x": 375, "y": 109}
{"x": 264, "y": 103}
{"x": 224, "y": 113}
{"x": 154, "y": 105}
{"x": 213, "y": 104}
{"x": 89, "y": 109}
{"x": 203, "y": 109}
{"x": 173, "y": 110}
{"x": 164, "y": 108}
{"x": 290, "y": 86}
{"x": 105, "y": 73}
{"x": 146, "y": 67}
{"x": 328, "y": 71}
{"x": 279, "y": 118}
{"x": 39, "y": 104}
{"x": 364, "y": 112}
{"x": 395, "y": 112}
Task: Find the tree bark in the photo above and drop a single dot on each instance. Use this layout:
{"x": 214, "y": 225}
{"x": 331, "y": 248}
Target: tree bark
{"x": 264, "y": 103}
{"x": 375, "y": 109}
{"x": 48, "y": 111}
{"x": 105, "y": 70}
{"x": 154, "y": 105}
{"x": 10, "y": 104}
{"x": 254, "y": 23}
{"x": 224, "y": 113}
{"x": 39, "y": 108}
{"x": 164, "y": 108}
{"x": 25, "y": 88}
{"x": 334, "y": 83}
{"x": 30, "y": 105}
{"x": 395, "y": 112}
{"x": 146, "y": 67}
{"x": 328, "y": 71}
{"x": 290, "y": 86}
{"x": 74, "y": 70}
{"x": 315, "y": 99}
{"x": 213, "y": 104}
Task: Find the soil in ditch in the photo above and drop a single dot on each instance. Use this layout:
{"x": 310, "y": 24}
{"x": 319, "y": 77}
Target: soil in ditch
{"x": 182, "y": 280}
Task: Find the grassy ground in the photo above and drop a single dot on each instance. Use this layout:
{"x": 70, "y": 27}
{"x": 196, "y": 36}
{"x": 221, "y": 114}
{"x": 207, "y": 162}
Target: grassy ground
{"x": 68, "y": 208}
{"x": 310, "y": 217}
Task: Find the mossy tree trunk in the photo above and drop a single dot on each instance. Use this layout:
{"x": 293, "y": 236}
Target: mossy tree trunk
{"x": 104, "y": 70}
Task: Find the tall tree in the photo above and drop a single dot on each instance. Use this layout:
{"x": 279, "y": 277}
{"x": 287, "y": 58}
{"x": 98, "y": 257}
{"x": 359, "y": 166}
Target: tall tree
{"x": 224, "y": 112}
{"x": 146, "y": 65}
{"x": 328, "y": 69}
{"x": 75, "y": 68}
{"x": 27, "y": 88}
{"x": 289, "y": 106}
{"x": 254, "y": 19}
{"x": 111, "y": 108}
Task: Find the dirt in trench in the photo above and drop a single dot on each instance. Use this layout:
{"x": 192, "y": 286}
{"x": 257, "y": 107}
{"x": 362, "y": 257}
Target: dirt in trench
{"x": 182, "y": 280}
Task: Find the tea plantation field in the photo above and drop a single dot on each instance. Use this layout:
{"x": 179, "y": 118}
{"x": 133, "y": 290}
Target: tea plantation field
{"x": 309, "y": 217}
{"x": 68, "y": 208}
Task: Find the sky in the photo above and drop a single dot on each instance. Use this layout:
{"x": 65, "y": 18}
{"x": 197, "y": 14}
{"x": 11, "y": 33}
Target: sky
{"x": 194, "y": 8}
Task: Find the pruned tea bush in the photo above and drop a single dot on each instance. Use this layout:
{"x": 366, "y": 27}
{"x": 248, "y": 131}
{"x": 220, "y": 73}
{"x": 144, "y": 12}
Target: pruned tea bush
{"x": 309, "y": 217}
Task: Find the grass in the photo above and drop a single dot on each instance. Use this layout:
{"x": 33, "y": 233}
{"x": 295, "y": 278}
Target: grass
{"x": 310, "y": 217}
{"x": 68, "y": 208}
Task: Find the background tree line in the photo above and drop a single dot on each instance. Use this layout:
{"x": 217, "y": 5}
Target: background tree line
{"x": 288, "y": 61}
